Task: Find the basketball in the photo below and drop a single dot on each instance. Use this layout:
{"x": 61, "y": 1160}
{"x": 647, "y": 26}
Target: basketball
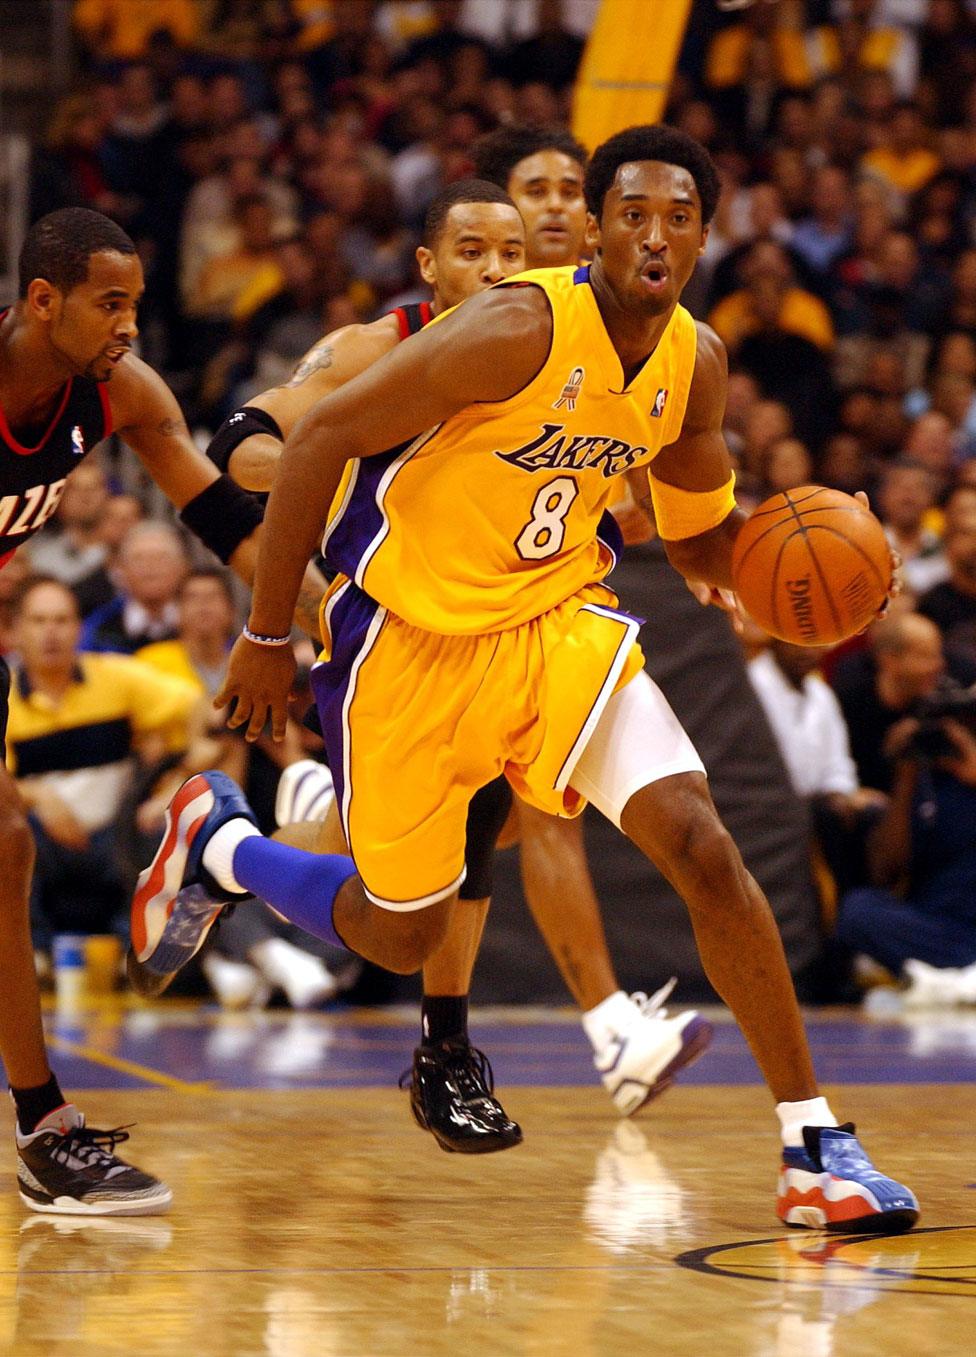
{"x": 812, "y": 565}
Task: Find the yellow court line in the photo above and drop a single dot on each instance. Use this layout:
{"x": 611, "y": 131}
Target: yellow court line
{"x": 114, "y": 1062}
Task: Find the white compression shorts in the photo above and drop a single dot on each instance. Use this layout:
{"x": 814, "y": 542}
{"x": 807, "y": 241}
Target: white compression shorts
{"x": 637, "y": 740}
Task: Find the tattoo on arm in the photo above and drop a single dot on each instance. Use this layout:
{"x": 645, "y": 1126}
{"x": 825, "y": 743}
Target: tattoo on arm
{"x": 307, "y": 609}
{"x": 318, "y": 359}
{"x": 169, "y": 427}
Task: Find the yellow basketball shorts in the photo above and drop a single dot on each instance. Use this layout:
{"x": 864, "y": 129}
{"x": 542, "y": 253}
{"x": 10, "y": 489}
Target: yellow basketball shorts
{"x": 416, "y": 722}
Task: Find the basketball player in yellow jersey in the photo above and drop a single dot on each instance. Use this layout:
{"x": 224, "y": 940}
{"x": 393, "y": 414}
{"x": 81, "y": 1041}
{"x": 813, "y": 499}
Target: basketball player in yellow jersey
{"x": 637, "y": 1046}
{"x": 493, "y": 435}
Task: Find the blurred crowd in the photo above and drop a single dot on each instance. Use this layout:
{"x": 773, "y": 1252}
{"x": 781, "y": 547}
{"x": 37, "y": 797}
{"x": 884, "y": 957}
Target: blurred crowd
{"x": 274, "y": 160}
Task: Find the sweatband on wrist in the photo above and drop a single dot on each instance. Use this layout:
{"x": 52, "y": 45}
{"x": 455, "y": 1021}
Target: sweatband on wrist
{"x": 259, "y": 639}
{"x": 687, "y": 513}
{"x": 222, "y": 516}
{"x": 235, "y": 428}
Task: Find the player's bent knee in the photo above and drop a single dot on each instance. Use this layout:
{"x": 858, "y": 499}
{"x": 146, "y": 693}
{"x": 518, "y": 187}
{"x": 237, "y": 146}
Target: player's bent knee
{"x": 675, "y": 822}
{"x": 414, "y": 935}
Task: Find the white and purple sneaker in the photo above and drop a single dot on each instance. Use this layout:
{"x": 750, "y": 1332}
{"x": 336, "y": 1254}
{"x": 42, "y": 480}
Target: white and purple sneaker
{"x": 305, "y": 793}
{"x": 640, "y": 1059}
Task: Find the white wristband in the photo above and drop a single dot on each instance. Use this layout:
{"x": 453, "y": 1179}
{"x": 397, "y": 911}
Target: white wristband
{"x": 257, "y": 639}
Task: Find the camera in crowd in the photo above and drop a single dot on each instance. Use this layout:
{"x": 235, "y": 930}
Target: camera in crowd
{"x": 932, "y": 741}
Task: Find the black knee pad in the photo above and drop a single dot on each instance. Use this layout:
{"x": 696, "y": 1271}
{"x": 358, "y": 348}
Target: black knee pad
{"x": 487, "y": 814}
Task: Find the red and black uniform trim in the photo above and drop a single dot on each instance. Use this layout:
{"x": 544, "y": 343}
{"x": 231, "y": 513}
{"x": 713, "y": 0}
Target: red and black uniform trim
{"x": 412, "y": 317}
{"x": 33, "y": 473}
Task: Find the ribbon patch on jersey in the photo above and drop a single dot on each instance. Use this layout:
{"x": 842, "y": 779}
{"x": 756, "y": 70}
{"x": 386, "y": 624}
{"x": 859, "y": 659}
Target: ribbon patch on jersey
{"x": 660, "y": 400}
{"x": 570, "y": 391}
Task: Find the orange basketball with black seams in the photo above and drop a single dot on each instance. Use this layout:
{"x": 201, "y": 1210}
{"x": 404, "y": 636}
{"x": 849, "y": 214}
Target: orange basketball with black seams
{"x": 812, "y": 565}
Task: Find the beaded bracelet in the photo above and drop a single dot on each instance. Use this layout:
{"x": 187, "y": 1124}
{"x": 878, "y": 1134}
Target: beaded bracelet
{"x": 257, "y": 639}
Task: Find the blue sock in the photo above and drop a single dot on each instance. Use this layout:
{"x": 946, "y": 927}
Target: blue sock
{"x": 302, "y": 886}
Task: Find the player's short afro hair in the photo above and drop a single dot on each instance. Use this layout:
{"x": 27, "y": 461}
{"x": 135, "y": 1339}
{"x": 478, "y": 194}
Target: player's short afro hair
{"x": 57, "y": 247}
{"x": 651, "y": 142}
{"x": 462, "y": 191}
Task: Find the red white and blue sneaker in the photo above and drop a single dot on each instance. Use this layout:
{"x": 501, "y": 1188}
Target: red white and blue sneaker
{"x": 177, "y": 901}
{"x": 831, "y": 1184}
{"x": 67, "y": 1168}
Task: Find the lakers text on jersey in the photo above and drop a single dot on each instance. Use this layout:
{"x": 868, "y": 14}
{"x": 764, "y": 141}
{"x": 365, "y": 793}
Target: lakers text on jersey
{"x": 490, "y": 519}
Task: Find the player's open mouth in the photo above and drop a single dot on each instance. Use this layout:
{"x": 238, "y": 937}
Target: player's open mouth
{"x": 116, "y": 355}
{"x": 655, "y": 276}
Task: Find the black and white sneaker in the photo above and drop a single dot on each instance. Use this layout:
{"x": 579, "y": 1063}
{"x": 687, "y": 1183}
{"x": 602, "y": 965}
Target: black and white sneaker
{"x": 67, "y": 1168}
{"x": 451, "y": 1088}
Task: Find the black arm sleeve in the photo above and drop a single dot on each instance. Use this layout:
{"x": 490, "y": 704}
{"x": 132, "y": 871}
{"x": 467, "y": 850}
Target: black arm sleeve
{"x": 222, "y": 516}
{"x": 235, "y": 428}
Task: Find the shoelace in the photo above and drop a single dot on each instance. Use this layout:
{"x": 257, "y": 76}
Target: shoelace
{"x": 471, "y": 1070}
{"x": 473, "y": 1073}
{"x": 91, "y": 1146}
{"x": 652, "y": 1006}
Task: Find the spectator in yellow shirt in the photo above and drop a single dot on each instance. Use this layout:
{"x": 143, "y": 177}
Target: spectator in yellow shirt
{"x": 77, "y": 724}
{"x": 251, "y": 264}
{"x": 770, "y": 296}
{"x": 905, "y": 160}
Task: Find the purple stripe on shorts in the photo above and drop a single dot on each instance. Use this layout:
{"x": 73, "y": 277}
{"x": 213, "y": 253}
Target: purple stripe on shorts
{"x": 349, "y": 624}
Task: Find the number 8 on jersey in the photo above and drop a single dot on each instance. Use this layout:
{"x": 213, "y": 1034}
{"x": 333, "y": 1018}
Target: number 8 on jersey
{"x": 543, "y": 535}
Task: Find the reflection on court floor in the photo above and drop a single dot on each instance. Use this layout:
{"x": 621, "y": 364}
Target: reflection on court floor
{"x": 312, "y": 1218}
{"x": 180, "y": 1045}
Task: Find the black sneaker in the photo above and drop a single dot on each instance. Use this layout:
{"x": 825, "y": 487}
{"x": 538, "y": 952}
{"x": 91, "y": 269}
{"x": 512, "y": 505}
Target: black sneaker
{"x": 451, "y": 1086}
{"x": 67, "y": 1168}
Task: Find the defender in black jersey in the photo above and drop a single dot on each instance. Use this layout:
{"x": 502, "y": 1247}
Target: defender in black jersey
{"x": 68, "y": 377}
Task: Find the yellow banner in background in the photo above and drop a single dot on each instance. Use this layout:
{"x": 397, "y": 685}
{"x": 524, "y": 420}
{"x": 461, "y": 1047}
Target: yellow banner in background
{"x": 627, "y": 67}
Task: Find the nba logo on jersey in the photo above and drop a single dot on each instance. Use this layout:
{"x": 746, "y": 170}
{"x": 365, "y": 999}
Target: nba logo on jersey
{"x": 77, "y": 441}
{"x": 657, "y": 409}
{"x": 570, "y": 391}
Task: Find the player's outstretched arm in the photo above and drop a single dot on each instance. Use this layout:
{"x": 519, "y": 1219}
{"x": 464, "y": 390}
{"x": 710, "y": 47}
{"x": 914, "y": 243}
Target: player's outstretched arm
{"x": 145, "y": 413}
{"x": 252, "y": 460}
{"x": 488, "y": 350}
{"x": 691, "y": 479}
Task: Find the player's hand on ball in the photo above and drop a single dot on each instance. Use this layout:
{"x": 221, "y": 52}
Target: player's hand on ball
{"x": 897, "y": 579}
{"x": 259, "y": 680}
{"x": 812, "y": 565}
{"x": 708, "y": 596}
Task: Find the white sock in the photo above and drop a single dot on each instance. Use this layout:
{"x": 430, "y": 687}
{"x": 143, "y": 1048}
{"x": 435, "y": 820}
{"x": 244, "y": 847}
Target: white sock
{"x": 609, "y": 1017}
{"x": 218, "y": 856}
{"x": 794, "y": 1116}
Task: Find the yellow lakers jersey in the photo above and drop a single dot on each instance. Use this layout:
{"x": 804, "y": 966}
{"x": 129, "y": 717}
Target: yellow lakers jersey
{"x": 490, "y": 518}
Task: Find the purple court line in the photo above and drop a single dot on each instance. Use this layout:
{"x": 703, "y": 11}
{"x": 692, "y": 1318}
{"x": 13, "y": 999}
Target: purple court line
{"x": 279, "y": 1050}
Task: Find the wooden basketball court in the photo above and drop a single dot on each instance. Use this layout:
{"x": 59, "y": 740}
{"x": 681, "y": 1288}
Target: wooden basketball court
{"x": 313, "y": 1219}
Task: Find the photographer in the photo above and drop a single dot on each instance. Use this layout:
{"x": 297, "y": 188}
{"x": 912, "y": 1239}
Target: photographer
{"x": 878, "y": 688}
{"x": 922, "y": 852}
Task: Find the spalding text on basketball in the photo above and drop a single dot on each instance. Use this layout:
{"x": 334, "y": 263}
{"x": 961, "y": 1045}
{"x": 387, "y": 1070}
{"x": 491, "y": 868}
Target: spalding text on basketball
{"x": 799, "y": 594}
